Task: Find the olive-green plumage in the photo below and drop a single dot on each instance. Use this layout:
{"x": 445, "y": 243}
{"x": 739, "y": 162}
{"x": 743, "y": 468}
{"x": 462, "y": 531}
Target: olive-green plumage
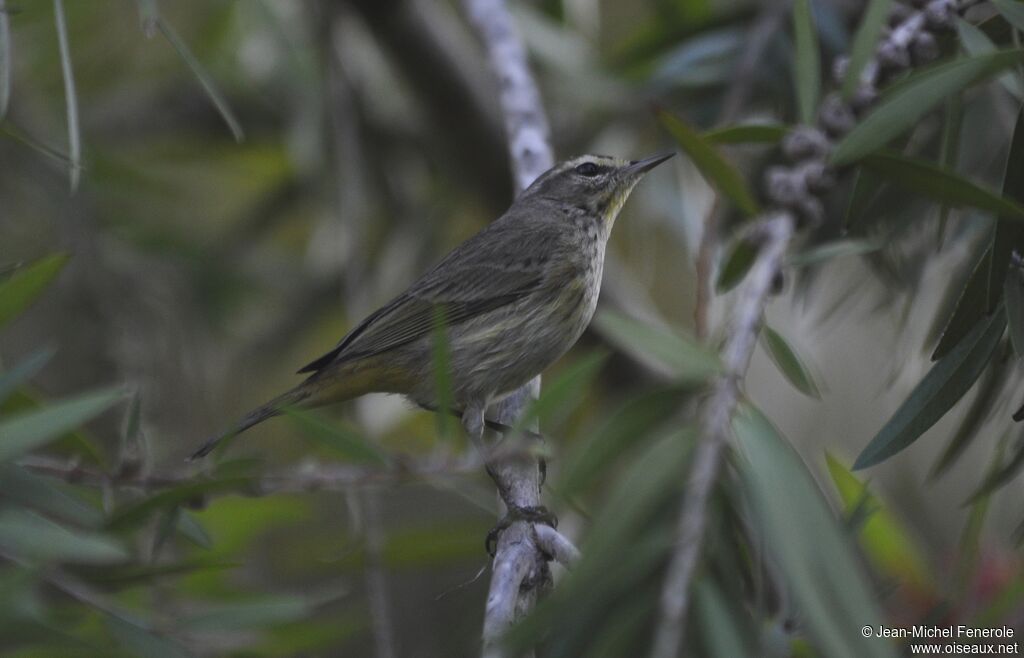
{"x": 513, "y": 299}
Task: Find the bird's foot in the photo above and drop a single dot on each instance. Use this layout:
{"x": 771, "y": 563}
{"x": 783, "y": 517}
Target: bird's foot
{"x": 531, "y": 514}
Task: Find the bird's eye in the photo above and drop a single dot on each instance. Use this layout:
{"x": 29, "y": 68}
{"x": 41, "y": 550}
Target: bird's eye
{"x": 588, "y": 169}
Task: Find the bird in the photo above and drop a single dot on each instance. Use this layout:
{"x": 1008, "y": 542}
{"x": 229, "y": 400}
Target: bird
{"x": 510, "y": 300}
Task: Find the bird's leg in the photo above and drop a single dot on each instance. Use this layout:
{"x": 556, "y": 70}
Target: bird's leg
{"x": 474, "y": 423}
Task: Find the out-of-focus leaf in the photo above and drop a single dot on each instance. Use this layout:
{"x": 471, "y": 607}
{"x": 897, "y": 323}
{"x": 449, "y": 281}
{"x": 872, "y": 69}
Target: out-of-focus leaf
{"x": 21, "y": 288}
{"x": 130, "y": 574}
{"x": 33, "y": 429}
{"x": 249, "y": 614}
{"x": 699, "y": 61}
{"x": 1012, "y": 11}
{"x": 749, "y": 133}
{"x": 864, "y": 43}
{"x": 31, "y": 491}
{"x": 142, "y": 641}
{"x": 337, "y": 437}
{"x": 1015, "y": 309}
{"x": 807, "y": 64}
{"x": 32, "y": 537}
{"x": 944, "y": 186}
{"x": 433, "y": 546}
{"x": 789, "y": 364}
{"x": 1002, "y": 474}
{"x": 75, "y": 444}
{"x": 940, "y": 389}
{"x": 24, "y": 371}
{"x": 719, "y": 173}
{"x": 901, "y": 107}
{"x": 563, "y": 393}
{"x": 1009, "y": 236}
{"x": 722, "y": 635}
{"x": 864, "y": 192}
{"x": 70, "y": 96}
{"x": 682, "y": 355}
{"x": 819, "y": 570}
{"x": 975, "y": 42}
{"x": 204, "y": 78}
{"x": 141, "y": 509}
{"x": 832, "y": 250}
{"x": 885, "y": 540}
{"x": 949, "y": 152}
{"x": 738, "y": 261}
{"x": 970, "y": 308}
{"x": 189, "y": 526}
{"x": 628, "y": 426}
{"x": 442, "y": 362}
{"x": 981, "y": 406}
{"x": 5, "y": 60}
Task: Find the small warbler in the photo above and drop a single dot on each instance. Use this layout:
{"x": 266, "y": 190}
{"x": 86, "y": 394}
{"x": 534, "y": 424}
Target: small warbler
{"x": 512, "y": 299}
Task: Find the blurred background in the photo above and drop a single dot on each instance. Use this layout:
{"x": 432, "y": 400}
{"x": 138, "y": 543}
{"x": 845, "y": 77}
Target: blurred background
{"x": 256, "y": 177}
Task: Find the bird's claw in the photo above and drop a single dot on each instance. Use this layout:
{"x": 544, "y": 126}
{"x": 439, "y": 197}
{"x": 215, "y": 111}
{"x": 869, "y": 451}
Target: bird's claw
{"x": 532, "y": 514}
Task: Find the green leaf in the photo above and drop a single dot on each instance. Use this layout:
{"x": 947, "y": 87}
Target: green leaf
{"x": 719, "y": 173}
{"x": 26, "y": 284}
{"x": 442, "y": 359}
{"x": 142, "y": 641}
{"x": 787, "y": 361}
{"x": 13, "y": 378}
{"x": 337, "y": 437}
{"x": 807, "y": 67}
{"x": 32, "y": 491}
{"x": 810, "y": 549}
{"x": 1000, "y": 475}
{"x": 1015, "y": 309}
{"x": 140, "y": 510}
{"x": 864, "y": 43}
{"x": 886, "y": 541}
{"x": 681, "y": 355}
{"x": 981, "y": 406}
{"x": 1009, "y": 236}
{"x": 940, "y": 389}
{"x": 70, "y": 96}
{"x": 5, "y": 60}
{"x": 189, "y": 526}
{"x": 970, "y": 308}
{"x": 204, "y": 78}
{"x": 563, "y": 393}
{"x": 249, "y": 614}
{"x": 35, "y": 538}
{"x": 738, "y": 261}
{"x": 949, "y": 152}
{"x": 941, "y": 185}
{"x": 718, "y": 621}
{"x": 832, "y": 250}
{"x": 33, "y": 429}
{"x": 749, "y": 133}
{"x": 1012, "y": 11}
{"x": 901, "y": 107}
{"x": 975, "y": 42}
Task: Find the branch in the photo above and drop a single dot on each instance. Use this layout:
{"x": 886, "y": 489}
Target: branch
{"x": 520, "y": 561}
{"x": 794, "y": 191}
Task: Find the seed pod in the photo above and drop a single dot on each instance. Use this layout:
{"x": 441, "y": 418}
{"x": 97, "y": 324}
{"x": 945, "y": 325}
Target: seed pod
{"x": 805, "y": 142}
{"x": 940, "y": 14}
{"x": 924, "y": 48}
{"x": 835, "y": 116}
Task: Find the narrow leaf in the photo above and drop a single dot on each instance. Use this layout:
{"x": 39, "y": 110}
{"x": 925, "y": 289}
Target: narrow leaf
{"x": 738, "y": 261}
{"x": 681, "y": 355}
{"x": 337, "y": 437}
{"x": 788, "y": 363}
{"x": 35, "y": 538}
{"x": 975, "y": 42}
{"x": 1015, "y": 309}
{"x": 39, "y": 494}
{"x": 143, "y": 641}
{"x": 142, "y": 509}
{"x": 901, "y": 107}
{"x": 5, "y": 59}
{"x": 832, "y": 250}
{"x": 807, "y": 64}
{"x": 1001, "y": 475}
{"x": 981, "y": 407}
{"x": 1012, "y": 11}
{"x": 970, "y": 309}
{"x": 205, "y": 79}
{"x": 949, "y": 152}
{"x": 719, "y": 173}
{"x": 26, "y": 284}
{"x": 33, "y": 429}
{"x": 1009, "y": 236}
{"x": 941, "y": 185}
{"x": 864, "y": 43}
{"x": 13, "y": 378}
{"x": 750, "y": 133}
{"x": 70, "y": 96}
{"x": 940, "y": 389}
{"x": 442, "y": 362}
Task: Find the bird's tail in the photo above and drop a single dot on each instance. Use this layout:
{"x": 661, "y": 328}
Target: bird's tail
{"x": 273, "y": 408}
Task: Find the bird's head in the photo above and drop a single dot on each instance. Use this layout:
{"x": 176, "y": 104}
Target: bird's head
{"x": 597, "y": 184}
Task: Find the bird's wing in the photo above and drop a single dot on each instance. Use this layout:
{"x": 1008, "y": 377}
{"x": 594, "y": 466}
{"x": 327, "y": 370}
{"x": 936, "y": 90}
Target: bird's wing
{"x": 469, "y": 282}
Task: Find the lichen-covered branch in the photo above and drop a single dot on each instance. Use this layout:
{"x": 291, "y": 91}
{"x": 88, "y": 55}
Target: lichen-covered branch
{"x": 794, "y": 190}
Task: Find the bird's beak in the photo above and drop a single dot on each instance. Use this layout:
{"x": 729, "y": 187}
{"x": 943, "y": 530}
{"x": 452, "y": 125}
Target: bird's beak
{"x": 639, "y": 167}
